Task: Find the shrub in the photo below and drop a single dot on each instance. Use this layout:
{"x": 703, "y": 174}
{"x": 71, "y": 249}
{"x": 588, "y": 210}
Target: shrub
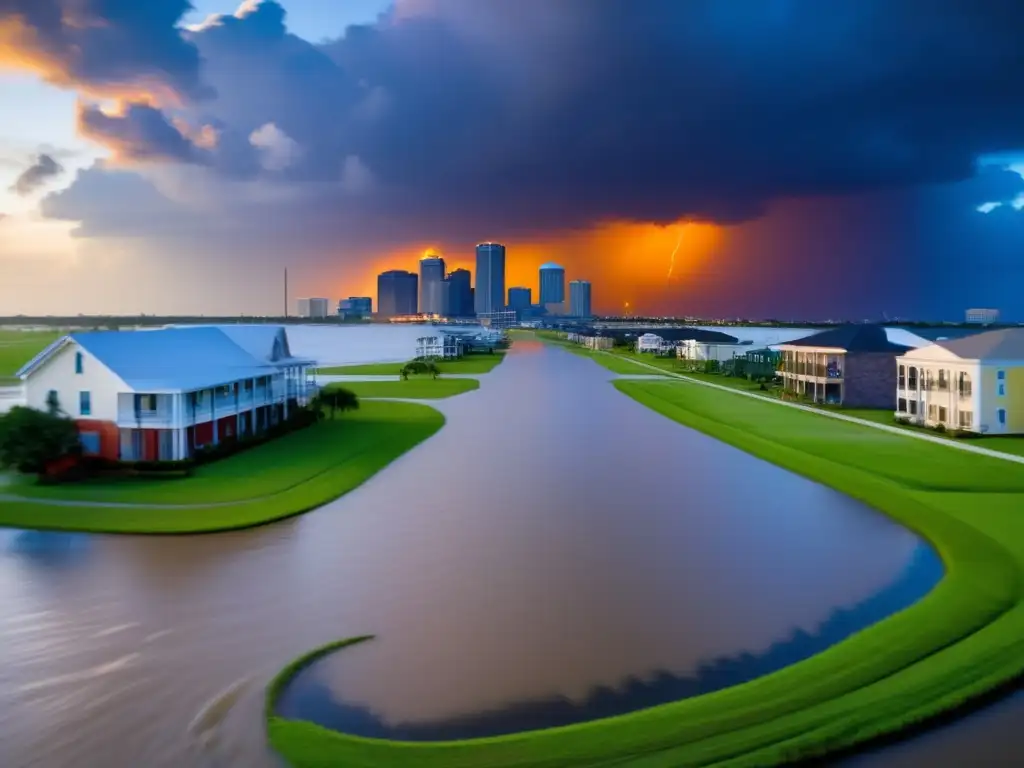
{"x": 31, "y": 439}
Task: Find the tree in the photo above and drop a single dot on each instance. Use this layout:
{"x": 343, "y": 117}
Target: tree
{"x": 31, "y": 439}
{"x": 339, "y": 399}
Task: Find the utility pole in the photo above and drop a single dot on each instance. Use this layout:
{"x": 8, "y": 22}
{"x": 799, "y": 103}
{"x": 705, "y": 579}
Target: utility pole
{"x": 286, "y": 293}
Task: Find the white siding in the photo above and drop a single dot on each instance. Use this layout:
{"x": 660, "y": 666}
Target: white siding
{"x": 58, "y": 373}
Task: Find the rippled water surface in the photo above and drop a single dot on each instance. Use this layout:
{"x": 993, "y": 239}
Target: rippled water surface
{"x": 556, "y": 552}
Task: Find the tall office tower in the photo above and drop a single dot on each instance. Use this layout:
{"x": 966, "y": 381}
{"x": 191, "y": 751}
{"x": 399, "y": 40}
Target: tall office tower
{"x": 438, "y": 298}
{"x": 312, "y": 308}
{"x": 431, "y": 271}
{"x": 519, "y": 299}
{"x": 460, "y": 293}
{"x": 490, "y": 277}
{"x": 355, "y": 306}
{"x": 552, "y": 284}
{"x": 396, "y": 293}
{"x": 579, "y": 298}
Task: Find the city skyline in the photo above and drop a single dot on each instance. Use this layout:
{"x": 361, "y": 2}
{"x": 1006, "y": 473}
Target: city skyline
{"x": 793, "y": 177}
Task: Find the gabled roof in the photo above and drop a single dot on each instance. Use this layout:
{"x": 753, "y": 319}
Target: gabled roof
{"x": 852, "y": 338}
{"x": 179, "y": 358}
{"x": 264, "y": 342}
{"x": 1004, "y": 344}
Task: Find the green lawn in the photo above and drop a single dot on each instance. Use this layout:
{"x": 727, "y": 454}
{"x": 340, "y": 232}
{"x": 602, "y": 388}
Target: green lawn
{"x": 18, "y": 347}
{"x": 415, "y": 387}
{"x": 284, "y": 477}
{"x": 475, "y": 363}
{"x": 962, "y": 639}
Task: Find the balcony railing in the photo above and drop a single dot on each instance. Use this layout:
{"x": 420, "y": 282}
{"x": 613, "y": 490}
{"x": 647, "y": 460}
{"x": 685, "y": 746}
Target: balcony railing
{"x": 206, "y": 409}
{"x": 965, "y": 392}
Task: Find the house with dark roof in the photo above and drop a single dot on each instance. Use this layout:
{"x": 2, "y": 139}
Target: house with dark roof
{"x": 851, "y": 365}
{"x": 974, "y": 383}
{"x": 160, "y": 394}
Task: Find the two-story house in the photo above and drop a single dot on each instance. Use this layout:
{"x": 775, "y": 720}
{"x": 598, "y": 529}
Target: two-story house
{"x": 975, "y": 383}
{"x": 161, "y": 394}
{"x": 850, "y": 365}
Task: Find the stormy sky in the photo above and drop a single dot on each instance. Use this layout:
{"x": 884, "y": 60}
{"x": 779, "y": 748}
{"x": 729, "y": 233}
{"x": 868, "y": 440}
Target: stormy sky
{"x": 808, "y": 159}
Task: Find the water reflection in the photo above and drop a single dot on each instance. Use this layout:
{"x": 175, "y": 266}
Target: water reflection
{"x": 310, "y": 696}
{"x": 47, "y": 548}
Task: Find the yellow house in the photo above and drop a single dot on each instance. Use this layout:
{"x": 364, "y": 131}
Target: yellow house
{"x": 975, "y": 383}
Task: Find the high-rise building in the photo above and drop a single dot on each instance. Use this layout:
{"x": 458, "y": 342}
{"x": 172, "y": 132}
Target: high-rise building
{"x": 431, "y": 272}
{"x": 552, "y": 283}
{"x": 519, "y": 299}
{"x": 313, "y": 308}
{"x": 396, "y": 293}
{"x": 355, "y": 306}
{"x": 490, "y": 278}
{"x": 460, "y": 295}
{"x": 579, "y": 298}
{"x": 438, "y": 298}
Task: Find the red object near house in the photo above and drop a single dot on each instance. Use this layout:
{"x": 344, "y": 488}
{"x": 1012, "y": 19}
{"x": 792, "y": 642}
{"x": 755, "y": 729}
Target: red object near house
{"x": 99, "y": 438}
{"x": 60, "y": 466}
{"x": 203, "y": 434}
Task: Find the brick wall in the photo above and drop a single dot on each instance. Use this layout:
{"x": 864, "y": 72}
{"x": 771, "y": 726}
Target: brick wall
{"x": 870, "y": 380}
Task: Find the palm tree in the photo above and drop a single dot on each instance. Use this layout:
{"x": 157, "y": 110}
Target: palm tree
{"x": 340, "y": 399}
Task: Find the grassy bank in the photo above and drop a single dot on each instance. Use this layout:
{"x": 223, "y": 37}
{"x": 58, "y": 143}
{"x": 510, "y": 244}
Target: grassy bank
{"x": 18, "y": 347}
{"x": 472, "y": 364}
{"x": 284, "y": 477}
{"x": 965, "y": 637}
{"x": 415, "y": 387}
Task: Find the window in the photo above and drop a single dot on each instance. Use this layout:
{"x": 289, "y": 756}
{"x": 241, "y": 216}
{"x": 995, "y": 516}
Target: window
{"x": 901, "y": 405}
{"x": 903, "y": 377}
{"x": 933, "y": 412}
{"x": 913, "y": 407}
{"x": 942, "y": 414}
{"x": 1001, "y": 389}
{"x": 912, "y": 377}
{"x": 78, "y": 362}
{"x": 84, "y": 403}
{"x": 1001, "y": 414}
{"x": 1001, "y": 375}
{"x": 90, "y": 442}
{"x": 966, "y": 419}
{"x": 147, "y": 403}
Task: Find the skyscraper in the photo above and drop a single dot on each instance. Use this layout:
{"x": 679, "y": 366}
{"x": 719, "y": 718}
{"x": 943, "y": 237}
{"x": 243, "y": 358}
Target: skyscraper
{"x": 552, "y": 284}
{"x": 490, "y": 277}
{"x": 396, "y": 293}
{"x": 316, "y": 308}
{"x": 461, "y": 293}
{"x": 520, "y": 299}
{"x": 579, "y": 298}
{"x": 355, "y": 306}
{"x": 431, "y": 272}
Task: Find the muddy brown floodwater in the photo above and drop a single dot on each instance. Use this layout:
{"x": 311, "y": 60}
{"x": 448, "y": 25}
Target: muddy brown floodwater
{"x": 556, "y": 552}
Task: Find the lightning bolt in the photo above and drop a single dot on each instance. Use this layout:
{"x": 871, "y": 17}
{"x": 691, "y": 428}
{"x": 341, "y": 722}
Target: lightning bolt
{"x": 672, "y": 258}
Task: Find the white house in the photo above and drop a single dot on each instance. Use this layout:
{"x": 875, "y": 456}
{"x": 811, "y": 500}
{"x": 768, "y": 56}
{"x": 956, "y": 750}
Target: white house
{"x": 691, "y": 349}
{"x": 650, "y": 342}
{"x": 975, "y": 383}
{"x": 441, "y": 345}
{"x": 160, "y": 394}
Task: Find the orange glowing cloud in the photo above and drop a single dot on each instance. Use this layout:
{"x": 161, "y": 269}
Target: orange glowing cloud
{"x": 625, "y": 262}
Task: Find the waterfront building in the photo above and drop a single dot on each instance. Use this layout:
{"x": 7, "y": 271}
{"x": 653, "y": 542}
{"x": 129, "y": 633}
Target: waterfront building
{"x": 852, "y": 365}
{"x": 460, "y": 294}
{"x": 397, "y": 293}
{"x": 314, "y": 308}
{"x": 432, "y": 293}
{"x": 982, "y": 316}
{"x": 355, "y": 306}
{"x": 973, "y": 384}
{"x": 579, "y": 298}
{"x": 159, "y": 395}
{"x": 552, "y": 284}
{"x": 490, "y": 278}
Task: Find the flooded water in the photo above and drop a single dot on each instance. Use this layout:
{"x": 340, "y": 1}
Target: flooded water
{"x": 556, "y": 552}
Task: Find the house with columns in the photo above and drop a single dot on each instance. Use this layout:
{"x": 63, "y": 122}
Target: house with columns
{"x": 162, "y": 394}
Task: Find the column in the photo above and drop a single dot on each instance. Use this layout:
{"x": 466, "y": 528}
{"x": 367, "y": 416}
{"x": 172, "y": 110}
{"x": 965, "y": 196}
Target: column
{"x": 287, "y": 390}
{"x": 174, "y": 428}
{"x": 213, "y": 414}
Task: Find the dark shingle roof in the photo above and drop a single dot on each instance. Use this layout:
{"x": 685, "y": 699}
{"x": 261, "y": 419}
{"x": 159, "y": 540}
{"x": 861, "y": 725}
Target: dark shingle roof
{"x": 852, "y": 338}
{"x": 1004, "y": 344}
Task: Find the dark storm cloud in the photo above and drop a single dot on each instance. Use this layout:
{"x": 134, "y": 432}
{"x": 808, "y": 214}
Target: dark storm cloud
{"x": 36, "y": 175}
{"x": 108, "y": 46}
{"x": 139, "y": 133}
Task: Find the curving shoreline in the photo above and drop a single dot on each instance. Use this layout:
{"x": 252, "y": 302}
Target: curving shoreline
{"x": 342, "y": 454}
{"x": 956, "y": 643}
